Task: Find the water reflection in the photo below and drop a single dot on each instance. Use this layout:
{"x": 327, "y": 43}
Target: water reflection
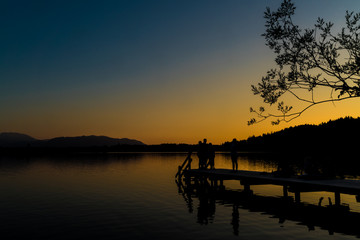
{"x": 133, "y": 196}
{"x": 334, "y": 219}
{"x": 235, "y": 218}
{"x": 69, "y": 160}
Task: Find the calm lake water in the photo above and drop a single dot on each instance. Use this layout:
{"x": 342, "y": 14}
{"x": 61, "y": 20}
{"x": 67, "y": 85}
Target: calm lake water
{"x": 135, "y": 196}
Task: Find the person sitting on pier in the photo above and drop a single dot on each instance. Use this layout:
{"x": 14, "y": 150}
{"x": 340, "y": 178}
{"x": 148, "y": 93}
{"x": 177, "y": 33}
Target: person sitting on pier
{"x": 320, "y": 201}
{"x": 234, "y": 155}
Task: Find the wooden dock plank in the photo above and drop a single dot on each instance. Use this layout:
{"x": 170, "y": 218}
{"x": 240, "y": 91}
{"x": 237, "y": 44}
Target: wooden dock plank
{"x": 331, "y": 185}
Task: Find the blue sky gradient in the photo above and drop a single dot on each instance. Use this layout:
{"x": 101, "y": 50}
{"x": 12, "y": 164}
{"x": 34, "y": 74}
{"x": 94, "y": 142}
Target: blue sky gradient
{"x": 158, "y": 71}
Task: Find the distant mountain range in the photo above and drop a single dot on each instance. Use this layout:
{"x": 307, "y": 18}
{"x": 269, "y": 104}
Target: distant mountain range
{"x": 11, "y": 139}
{"x": 336, "y": 136}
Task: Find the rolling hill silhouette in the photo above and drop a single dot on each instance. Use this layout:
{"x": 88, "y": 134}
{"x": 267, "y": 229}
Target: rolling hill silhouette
{"x": 90, "y": 141}
{"x": 12, "y": 139}
{"x": 22, "y": 140}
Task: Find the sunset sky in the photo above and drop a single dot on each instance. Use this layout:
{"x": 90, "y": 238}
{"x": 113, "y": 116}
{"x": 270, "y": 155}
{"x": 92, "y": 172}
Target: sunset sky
{"x": 155, "y": 71}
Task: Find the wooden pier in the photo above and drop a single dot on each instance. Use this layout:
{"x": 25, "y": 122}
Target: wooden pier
{"x": 333, "y": 218}
{"x": 293, "y": 184}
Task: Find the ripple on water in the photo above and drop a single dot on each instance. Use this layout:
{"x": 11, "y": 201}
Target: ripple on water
{"x": 130, "y": 197}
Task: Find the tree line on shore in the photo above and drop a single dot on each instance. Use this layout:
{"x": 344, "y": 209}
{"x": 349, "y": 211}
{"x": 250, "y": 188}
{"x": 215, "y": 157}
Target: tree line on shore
{"x": 333, "y": 137}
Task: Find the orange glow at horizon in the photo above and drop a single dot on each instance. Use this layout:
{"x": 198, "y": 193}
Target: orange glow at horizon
{"x": 157, "y": 73}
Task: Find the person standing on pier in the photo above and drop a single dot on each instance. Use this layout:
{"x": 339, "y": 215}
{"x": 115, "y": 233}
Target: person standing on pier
{"x": 234, "y": 155}
{"x": 199, "y": 154}
{"x": 202, "y": 154}
{"x": 211, "y": 156}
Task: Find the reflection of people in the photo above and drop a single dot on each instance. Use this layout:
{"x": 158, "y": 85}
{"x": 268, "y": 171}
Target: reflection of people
{"x": 207, "y": 204}
{"x": 211, "y": 156}
{"x": 234, "y": 155}
{"x": 203, "y": 210}
{"x": 235, "y": 219}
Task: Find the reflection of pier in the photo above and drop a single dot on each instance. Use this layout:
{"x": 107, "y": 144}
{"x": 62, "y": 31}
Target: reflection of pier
{"x": 209, "y": 194}
{"x": 290, "y": 184}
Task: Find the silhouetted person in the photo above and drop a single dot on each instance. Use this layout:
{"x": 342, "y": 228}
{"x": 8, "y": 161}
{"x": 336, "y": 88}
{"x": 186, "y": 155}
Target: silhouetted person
{"x": 320, "y": 201}
{"x": 199, "y": 153}
{"x": 234, "y": 155}
{"x": 206, "y": 149}
{"x": 330, "y": 203}
{"x": 211, "y": 156}
{"x": 203, "y": 154}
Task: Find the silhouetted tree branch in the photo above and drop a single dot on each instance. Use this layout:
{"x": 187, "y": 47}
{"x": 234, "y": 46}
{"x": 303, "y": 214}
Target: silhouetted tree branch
{"x": 308, "y": 60}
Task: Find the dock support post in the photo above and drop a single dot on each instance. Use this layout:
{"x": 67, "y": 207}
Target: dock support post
{"x": 337, "y": 199}
{"x": 221, "y": 183}
{"x": 213, "y": 182}
{"x": 285, "y": 191}
{"x": 247, "y": 188}
{"x": 297, "y": 196}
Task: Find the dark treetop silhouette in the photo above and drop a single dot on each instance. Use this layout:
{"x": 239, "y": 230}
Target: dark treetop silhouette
{"x": 309, "y": 60}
